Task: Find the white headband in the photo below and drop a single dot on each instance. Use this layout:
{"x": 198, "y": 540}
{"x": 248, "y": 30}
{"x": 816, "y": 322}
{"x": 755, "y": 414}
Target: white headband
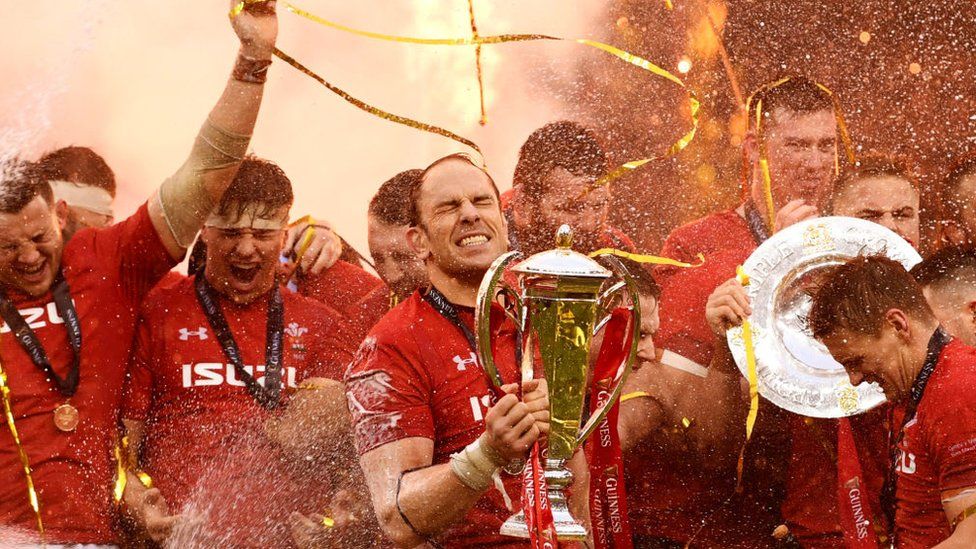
{"x": 247, "y": 220}
{"x": 86, "y": 197}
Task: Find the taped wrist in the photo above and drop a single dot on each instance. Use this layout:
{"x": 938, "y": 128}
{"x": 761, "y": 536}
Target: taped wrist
{"x": 476, "y": 464}
{"x": 184, "y": 198}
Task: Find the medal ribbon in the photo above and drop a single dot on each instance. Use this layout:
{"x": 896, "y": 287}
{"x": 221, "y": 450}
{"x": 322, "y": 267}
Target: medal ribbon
{"x": 608, "y": 497}
{"x": 853, "y": 498}
{"x": 937, "y": 343}
{"x": 268, "y": 396}
{"x": 32, "y": 345}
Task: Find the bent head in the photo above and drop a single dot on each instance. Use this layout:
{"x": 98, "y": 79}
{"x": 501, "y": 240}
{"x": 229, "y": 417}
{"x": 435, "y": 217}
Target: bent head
{"x": 959, "y": 203}
{"x": 797, "y": 135}
{"x": 457, "y": 227}
{"x": 245, "y": 235}
{"x": 556, "y": 164}
{"x": 874, "y": 320}
{"x": 881, "y": 190}
{"x": 388, "y": 222}
{"x": 30, "y": 230}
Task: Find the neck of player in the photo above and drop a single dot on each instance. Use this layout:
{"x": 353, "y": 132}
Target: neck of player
{"x": 461, "y": 291}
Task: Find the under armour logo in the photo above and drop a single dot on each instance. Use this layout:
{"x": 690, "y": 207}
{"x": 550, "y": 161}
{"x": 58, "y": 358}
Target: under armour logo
{"x": 294, "y": 330}
{"x": 463, "y": 363}
{"x": 200, "y": 333}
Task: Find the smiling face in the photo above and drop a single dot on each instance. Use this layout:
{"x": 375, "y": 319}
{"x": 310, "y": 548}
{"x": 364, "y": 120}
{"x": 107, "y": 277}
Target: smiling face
{"x": 30, "y": 247}
{"x": 460, "y": 229}
{"x": 801, "y": 148}
{"x": 243, "y": 255}
{"x": 887, "y": 200}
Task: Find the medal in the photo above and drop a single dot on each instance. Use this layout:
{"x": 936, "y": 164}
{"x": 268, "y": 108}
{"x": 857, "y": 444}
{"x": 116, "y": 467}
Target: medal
{"x": 66, "y": 417}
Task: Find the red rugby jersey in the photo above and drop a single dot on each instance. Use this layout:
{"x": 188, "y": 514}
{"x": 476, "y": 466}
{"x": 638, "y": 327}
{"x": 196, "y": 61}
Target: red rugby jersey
{"x": 109, "y": 271}
{"x": 195, "y": 407}
{"x": 415, "y": 375}
{"x": 938, "y": 451}
{"x": 352, "y": 292}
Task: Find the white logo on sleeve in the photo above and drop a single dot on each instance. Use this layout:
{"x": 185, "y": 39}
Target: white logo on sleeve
{"x": 463, "y": 363}
{"x": 200, "y": 333}
{"x": 294, "y": 330}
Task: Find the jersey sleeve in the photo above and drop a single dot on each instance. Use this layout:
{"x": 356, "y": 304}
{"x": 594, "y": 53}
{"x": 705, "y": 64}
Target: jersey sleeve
{"x": 389, "y": 395}
{"x": 342, "y": 287}
{"x": 130, "y": 252}
{"x": 951, "y": 434}
{"x": 137, "y": 395}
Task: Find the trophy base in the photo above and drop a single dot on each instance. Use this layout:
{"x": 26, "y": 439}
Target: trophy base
{"x": 567, "y": 528}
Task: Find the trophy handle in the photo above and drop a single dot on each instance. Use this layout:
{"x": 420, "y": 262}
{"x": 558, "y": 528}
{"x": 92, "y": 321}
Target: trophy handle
{"x": 623, "y": 370}
{"x": 491, "y": 284}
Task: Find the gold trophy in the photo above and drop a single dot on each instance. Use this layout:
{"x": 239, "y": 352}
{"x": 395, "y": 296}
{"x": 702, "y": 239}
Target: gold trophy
{"x": 561, "y": 300}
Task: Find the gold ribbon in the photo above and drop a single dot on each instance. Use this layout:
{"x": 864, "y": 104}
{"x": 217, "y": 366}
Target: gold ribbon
{"x": 477, "y": 64}
{"x": 24, "y": 460}
{"x": 478, "y": 41}
{"x": 652, "y": 259}
{"x": 636, "y": 394}
{"x": 124, "y": 462}
{"x": 743, "y": 278}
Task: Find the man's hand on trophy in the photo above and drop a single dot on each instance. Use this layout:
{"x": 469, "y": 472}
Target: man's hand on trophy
{"x": 792, "y": 213}
{"x": 256, "y": 26}
{"x": 535, "y": 395}
{"x": 510, "y": 427}
{"x": 727, "y": 307}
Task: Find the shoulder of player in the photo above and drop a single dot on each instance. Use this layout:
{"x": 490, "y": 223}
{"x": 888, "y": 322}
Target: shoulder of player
{"x": 395, "y": 327}
{"x": 713, "y": 224}
{"x": 170, "y": 293}
{"x": 956, "y": 371}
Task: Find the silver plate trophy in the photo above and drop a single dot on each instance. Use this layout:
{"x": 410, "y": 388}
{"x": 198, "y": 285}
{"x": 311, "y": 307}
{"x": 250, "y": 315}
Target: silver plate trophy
{"x": 795, "y": 371}
{"x": 559, "y": 299}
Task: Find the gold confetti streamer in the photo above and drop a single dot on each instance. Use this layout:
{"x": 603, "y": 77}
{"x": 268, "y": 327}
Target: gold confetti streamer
{"x": 24, "y": 460}
{"x": 652, "y": 259}
{"x": 479, "y": 40}
{"x": 477, "y": 64}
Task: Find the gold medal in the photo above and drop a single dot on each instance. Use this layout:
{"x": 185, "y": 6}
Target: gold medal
{"x": 66, "y": 417}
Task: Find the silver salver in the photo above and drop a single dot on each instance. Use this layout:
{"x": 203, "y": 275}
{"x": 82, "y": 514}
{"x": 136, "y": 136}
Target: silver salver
{"x": 794, "y": 371}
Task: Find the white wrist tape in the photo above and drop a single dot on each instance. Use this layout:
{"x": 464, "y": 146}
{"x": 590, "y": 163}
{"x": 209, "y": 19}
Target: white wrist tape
{"x": 475, "y": 465}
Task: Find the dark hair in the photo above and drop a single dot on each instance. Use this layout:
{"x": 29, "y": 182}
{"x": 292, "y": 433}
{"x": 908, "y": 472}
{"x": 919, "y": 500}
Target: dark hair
{"x": 871, "y": 166}
{"x": 856, "y": 295}
{"x": 417, "y": 190}
{"x": 948, "y": 265}
{"x": 562, "y": 144}
{"x": 646, "y": 285}
{"x": 20, "y": 183}
{"x": 78, "y": 165}
{"x": 391, "y": 203}
{"x": 952, "y": 203}
{"x": 794, "y": 93}
{"x": 260, "y": 183}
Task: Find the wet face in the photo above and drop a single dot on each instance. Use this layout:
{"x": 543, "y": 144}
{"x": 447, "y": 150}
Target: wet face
{"x": 242, "y": 261}
{"x": 889, "y": 201}
{"x": 560, "y": 205}
{"x": 80, "y": 218}
{"x": 30, "y": 247}
{"x": 954, "y": 305}
{"x": 461, "y": 228}
{"x": 396, "y": 263}
{"x": 881, "y": 359}
{"x": 801, "y": 148}
{"x": 650, "y": 321}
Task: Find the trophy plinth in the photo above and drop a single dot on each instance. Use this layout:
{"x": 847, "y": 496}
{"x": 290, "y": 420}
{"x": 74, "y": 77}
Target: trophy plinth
{"x": 562, "y": 298}
{"x": 558, "y": 478}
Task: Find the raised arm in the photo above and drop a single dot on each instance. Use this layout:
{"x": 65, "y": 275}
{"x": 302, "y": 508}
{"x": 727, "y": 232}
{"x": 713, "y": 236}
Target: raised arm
{"x": 182, "y": 203}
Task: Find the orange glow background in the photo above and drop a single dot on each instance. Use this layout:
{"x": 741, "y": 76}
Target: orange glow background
{"x": 134, "y": 80}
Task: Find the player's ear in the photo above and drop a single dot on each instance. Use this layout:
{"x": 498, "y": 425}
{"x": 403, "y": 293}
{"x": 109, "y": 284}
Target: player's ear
{"x": 418, "y": 242}
{"x": 61, "y": 212}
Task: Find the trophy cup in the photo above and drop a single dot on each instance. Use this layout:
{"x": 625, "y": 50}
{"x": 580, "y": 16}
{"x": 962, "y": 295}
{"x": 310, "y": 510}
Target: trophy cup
{"x": 560, "y": 300}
